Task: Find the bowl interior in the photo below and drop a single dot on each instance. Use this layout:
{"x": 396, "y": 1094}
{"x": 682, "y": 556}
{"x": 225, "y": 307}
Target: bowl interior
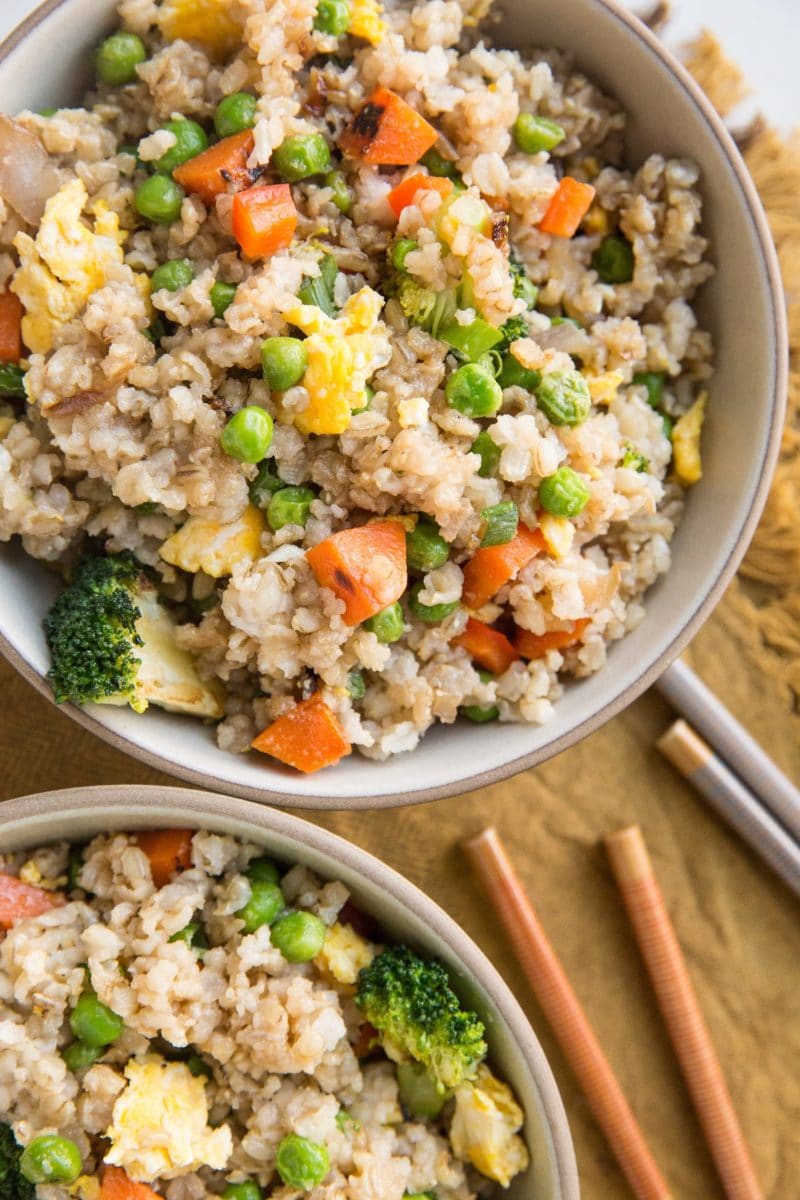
{"x": 742, "y": 308}
{"x": 402, "y": 909}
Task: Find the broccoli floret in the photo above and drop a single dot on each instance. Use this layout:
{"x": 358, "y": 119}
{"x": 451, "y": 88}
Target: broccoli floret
{"x": 112, "y": 642}
{"x": 424, "y": 307}
{"x": 13, "y": 1184}
{"x": 512, "y": 329}
{"x": 634, "y": 458}
{"x": 418, "y": 1016}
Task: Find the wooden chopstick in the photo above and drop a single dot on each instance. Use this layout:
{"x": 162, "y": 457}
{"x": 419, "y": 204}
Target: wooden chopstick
{"x": 565, "y": 1015}
{"x": 693, "y": 700}
{"x": 687, "y": 1029}
{"x": 728, "y": 796}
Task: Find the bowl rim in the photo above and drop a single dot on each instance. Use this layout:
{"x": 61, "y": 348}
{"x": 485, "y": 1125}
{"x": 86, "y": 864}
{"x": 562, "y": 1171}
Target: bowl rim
{"x": 42, "y": 810}
{"x": 702, "y": 608}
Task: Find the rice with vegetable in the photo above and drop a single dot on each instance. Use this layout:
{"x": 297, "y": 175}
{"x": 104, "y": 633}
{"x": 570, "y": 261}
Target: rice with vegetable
{"x": 352, "y": 381}
{"x": 180, "y": 1017}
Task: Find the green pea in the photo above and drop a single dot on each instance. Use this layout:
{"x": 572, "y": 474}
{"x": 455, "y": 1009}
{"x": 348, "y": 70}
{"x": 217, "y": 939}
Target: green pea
{"x": 283, "y": 362}
{"x": 199, "y": 1067}
{"x": 299, "y": 936}
{"x": 480, "y": 714}
{"x": 266, "y": 483}
{"x": 302, "y": 155}
{"x": 654, "y": 381}
{"x": 221, "y": 296}
{"x": 47, "y": 112}
{"x": 159, "y": 199}
{"x": 356, "y": 686}
{"x": 248, "y": 434}
{"x": 473, "y": 391}
{"x": 400, "y": 252}
{"x": 79, "y": 1057}
{"x": 437, "y": 164}
{"x": 342, "y": 196}
{"x": 290, "y": 506}
{"x": 388, "y": 625}
{"x": 500, "y": 521}
{"x": 426, "y": 549}
{"x": 235, "y": 113}
{"x": 155, "y": 331}
{"x": 513, "y": 374}
{"x": 50, "y": 1159}
{"x": 173, "y": 275}
{"x": 263, "y": 870}
{"x": 613, "y": 259}
{"x": 194, "y": 937}
{"x": 564, "y": 493}
{"x": 333, "y": 17}
{"x": 525, "y": 289}
{"x": 564, "y": 398}
{"x": 94, "y": 1023}
{"x": 190, "y": 140}
{"x": 420, "y": 1196}
{"x": 432, "y": 613}
{"x": 301, "y": 1163}
{"x": 489, "y": 453}
{"x": 118, "y": 57}
{"x": 248, "y": 1189}
{"x": 266, "y": 901}
{"x": 419, "y": 1094}
{"x": 534, "y": 134}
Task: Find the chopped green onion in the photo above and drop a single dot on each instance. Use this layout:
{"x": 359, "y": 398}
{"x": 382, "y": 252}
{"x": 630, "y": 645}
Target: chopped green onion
{"x": 12, "y": 380}
{"x": 319, "y": 290}
{"x": 534, "y": 134}
{"x": 654, "y": 382}
{"x": 473, "y": 340}
{"x": 489, "y": 453}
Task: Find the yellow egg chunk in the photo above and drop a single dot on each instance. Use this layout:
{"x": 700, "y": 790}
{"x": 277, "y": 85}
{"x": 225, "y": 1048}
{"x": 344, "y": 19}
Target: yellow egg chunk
{"x": 603, "y": 388}
{"x": 66, "y": 263}
{"x": 345, "y": 953}
{"x": 686, "y": 442}
{"x": 206, "y": 21}
{"x": 343, "y": 352}
{"x": 558, "y": 533}
{"x": 366, "y": 21}
{"x": 484, "y": 1128}
{"x": 85, "y": 1187}
{"x": 203, "y": 545}
{"x": 159, "y": 1124}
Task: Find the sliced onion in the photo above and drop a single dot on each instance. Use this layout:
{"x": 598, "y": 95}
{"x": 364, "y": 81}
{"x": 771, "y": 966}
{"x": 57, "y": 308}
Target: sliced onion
{"x": 28, "y": 177}
{"x": 566, "y": 337}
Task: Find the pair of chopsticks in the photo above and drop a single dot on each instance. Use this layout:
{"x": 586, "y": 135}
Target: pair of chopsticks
{"x": 740, "y": 781}
{"x": 685, "y": 1025}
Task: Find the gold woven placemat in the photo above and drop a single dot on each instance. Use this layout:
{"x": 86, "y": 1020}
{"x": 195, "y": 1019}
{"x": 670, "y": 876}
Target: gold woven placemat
{"x": 738, "y": 925}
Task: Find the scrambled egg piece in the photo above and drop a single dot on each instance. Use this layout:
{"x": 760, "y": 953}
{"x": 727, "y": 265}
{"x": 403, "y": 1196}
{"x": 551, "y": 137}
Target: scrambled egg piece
{"x": 603, "y": 388}
{"x": 206, "y": 21}
{"x": 366, "y": 21}
{"x": 159, "y": 1124}
{"x": 203, "y": 545}
{"x": 686, "y": 442}
{"x": 344, "y": 953}
{"x": 66, "y": 263}
{"x": 558, "y": 533}
{"x": 85, "y": 1187}
{"x": 343, "y": 352}
{"x": 30, "y": 873}
{"x": 484, "y": 1128}
{"x": 167, "y": 674}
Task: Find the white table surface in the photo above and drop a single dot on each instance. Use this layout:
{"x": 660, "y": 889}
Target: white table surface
{"x": 763, "y": 36}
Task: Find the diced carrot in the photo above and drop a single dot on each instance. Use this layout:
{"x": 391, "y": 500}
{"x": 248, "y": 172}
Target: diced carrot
{"x": 10, "y": 327}
{"x": 364, "y": 566}
{"x": 169, "y": 851}
{"x": 492, "y": 566}
{"x": 221, "y": 166}
{"x": 19, "y": 900}
{"x": 535, "y": 645}
{"x": 307, "y": 737}
{"x": 387, "y": 131}
{"x": 569, "y": 205}
{"x": 264, "y": 219}
{"x": 405, "y": 192}
{"x": 117, "y": 1186}
{"x": 487, "y": 646}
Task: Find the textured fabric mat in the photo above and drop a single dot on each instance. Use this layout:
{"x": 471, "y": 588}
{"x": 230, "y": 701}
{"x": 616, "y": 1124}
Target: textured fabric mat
{"x": 737, "y": 924}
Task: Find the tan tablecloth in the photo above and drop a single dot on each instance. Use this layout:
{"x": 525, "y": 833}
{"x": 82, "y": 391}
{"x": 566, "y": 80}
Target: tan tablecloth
{"x": 738, "y": 925}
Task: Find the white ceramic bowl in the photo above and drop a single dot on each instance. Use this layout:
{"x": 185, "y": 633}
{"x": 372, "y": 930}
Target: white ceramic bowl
{"x": 404, "y": 911}
{"x": 742, "y": 306}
